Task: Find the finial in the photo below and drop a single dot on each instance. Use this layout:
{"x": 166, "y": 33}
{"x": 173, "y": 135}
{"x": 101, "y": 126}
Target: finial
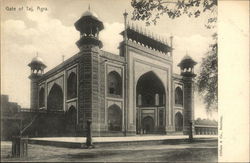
{"x": 89, "y": 7}
{"x": 125, "y": 13}
{"x": 63, "y": 58}
{"x": 36, "y": 54}
{"x": 171, "y": 40}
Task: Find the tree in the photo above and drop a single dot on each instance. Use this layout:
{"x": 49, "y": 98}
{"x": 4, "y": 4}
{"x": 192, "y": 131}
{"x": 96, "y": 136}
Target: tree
{"x": 151, "y": 10}
{"x": 207, "y": 80}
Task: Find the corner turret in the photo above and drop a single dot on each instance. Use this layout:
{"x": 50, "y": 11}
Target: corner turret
{"x": 187, "y": 72}
{"x": 89, "y": 27}
{"x": 37, "y": 67}
{"x": 187, "y": 66}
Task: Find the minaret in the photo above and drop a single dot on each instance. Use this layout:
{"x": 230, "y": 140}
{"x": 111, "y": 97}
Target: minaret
{"x": 37, "y": 67}
{"x": 89, "y": 44}
{"x": 187, "y": 72}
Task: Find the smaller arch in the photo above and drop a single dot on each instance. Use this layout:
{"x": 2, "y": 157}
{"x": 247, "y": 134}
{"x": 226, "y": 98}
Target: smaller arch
{"x": 114, "y": 118}
{"x": 178, "y": 96}
{"x": 55, "y": 98}
{"x": 72, "y": 86}
{"x": 41, "y": 97}
{"x": 114, "y": 83}
{"x": 71, "y": 120}
{"x": 178, "y": 122}
{"x": 148, "y": 124}
{"x": 71, "y": 115}
{"x": 161, "y": 117}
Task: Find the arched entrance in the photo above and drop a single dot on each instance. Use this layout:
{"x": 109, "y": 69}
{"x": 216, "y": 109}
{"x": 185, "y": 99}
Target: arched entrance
{"x": 148, "y": 125}
{"x": 55, "y": 98}
{"x": 178, "y": 122}
{"x": 71, "y": 121}
{"x": 72, "y": 86}
{"x": 114, "y": 118}
{"x": 178, "y": 96}
{"x": 150, "y": 104}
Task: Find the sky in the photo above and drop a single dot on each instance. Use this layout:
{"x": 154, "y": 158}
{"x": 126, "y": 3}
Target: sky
{"x": 47, "y": 27}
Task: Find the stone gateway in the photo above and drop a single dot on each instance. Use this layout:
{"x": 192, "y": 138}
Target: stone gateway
{"x": 133, "y": 92}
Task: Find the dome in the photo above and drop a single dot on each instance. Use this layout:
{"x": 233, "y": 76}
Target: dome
{"x": 89, "y": 20}
{"x": 187, "y": 57}
{"x": 37, "y": 61}
{"x": 187, "y": 61}
{"x": 90, "y": 13}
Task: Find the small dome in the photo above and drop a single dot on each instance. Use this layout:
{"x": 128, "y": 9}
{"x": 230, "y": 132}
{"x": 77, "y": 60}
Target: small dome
{"x": 187, "y": 57}
{"x": 90, "y": 13}
{"x": 37, "y": 61}
{"x": 187, "y": 61}
{"x": 89, "y": 20}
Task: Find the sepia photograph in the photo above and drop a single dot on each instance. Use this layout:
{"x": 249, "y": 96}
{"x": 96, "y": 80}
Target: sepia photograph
{"x": 120, "y": 81}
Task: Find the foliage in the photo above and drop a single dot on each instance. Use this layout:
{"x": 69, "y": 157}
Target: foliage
{"x": 207, "y": 80}
{"x": 151, "y": 10}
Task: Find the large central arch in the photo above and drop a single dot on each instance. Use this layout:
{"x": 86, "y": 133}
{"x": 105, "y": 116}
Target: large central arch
{"x": 150, "y": 102}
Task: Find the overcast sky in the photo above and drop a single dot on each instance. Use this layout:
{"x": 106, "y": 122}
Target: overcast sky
{"x": 52, "y": 34}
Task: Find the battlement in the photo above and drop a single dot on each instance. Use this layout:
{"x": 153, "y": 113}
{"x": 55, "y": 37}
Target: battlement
{"x": 147, "y": 39}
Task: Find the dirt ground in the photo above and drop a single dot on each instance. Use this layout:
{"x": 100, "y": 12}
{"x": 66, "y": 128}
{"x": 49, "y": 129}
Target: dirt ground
{"x": 180, "y": 152}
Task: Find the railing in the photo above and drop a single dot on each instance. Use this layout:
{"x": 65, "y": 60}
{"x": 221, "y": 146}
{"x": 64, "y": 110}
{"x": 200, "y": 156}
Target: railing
{"x": 26, "y": 127}
{"x": 206, "y": 130}
{"x": 41, "y": 111}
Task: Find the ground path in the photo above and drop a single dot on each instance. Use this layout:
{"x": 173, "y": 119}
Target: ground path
{"x": 197, "y": 151}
